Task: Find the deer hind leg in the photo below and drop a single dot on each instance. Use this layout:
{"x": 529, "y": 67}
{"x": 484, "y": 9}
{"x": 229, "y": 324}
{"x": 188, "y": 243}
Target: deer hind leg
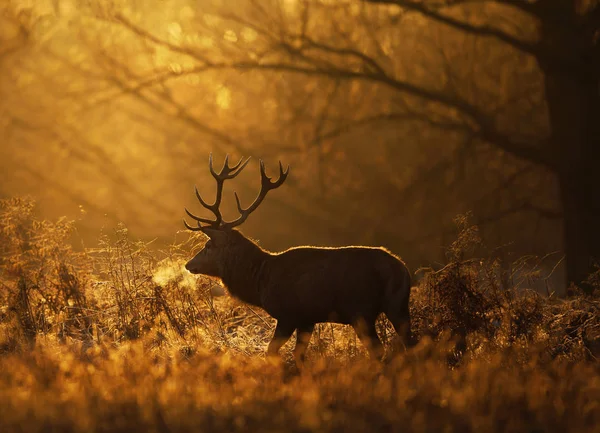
{"x": 397, "y": 311}
{"x": 283, "y": 332}
{"x": 303, "y": 335}
{"x": 366, "y": 331}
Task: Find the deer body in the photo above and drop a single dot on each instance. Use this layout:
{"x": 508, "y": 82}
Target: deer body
{"x": 307, "y": 285}
{"x": 303, "y": 286}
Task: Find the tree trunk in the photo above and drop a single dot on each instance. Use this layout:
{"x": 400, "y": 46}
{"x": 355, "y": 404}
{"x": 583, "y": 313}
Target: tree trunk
{"x": 573, "y": 96}
{"x": 581, "y": 225}
{"x": 579, "y": 179}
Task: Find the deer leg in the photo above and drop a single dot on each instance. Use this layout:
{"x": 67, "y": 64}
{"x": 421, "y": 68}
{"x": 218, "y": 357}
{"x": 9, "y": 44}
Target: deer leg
{"x": 398, "y": 313}
{"x": 368, "y": 335}
{"x": 303, "y": 335}
{"x": 282, "y": 334}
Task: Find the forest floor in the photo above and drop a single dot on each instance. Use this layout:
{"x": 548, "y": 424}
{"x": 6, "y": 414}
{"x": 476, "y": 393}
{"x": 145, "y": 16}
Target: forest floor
{"x": 122, "y": 338}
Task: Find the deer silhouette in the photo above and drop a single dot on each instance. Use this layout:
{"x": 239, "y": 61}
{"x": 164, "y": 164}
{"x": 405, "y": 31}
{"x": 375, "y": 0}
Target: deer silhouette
{"x": 305, "y": 285}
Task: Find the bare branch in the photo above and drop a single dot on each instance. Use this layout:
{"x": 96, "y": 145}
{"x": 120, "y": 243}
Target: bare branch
{"x": 486, "y": 129}
{"x": 485, "y": 125}
{"x": 527, "y": 6}
{"x": 478, "y": 30}
{"x": 369, "y": 63}
{"x": 182, "y": 113}
{"x": 371, "y": 71}
{"x": 392, "y": 117}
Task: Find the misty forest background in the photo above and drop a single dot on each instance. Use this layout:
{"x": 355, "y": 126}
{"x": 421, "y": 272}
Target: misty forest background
{"x": 395, "y": 117}
{"x": 463, "y": 135}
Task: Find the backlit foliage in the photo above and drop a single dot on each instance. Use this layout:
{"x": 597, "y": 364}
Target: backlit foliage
{"x": 121, "y": 338}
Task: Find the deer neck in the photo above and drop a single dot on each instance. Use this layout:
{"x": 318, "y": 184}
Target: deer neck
{"x": 242, "y": 273}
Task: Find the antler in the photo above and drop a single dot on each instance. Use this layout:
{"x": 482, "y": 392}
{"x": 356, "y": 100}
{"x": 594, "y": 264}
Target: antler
{"x": 225, "y": 173}
{"x": 229, "y": 173}
{"x": 265, "y": 186}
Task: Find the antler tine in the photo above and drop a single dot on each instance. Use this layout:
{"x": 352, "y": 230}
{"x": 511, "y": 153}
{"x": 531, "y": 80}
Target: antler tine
{"x": 189, "y": 227}
{"x": 210, "y": 165}
{"x": 235, "y": 167}
{"x": 282, "y": 174}
{"x": 226, "y": 172}
{"x": 200, "y": 199}
{"x": 266, "y": 185}
{"x": 198, "y": 219}
{"x": 267, "y": 179}
{"x": 214, "y": 208}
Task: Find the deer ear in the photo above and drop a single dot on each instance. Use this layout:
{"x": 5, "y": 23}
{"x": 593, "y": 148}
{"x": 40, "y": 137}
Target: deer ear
{"x": 216, "y": 235}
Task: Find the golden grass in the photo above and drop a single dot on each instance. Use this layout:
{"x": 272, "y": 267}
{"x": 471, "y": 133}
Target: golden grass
{"x": 131, "y": 388}
{"x": 120, "y": 338}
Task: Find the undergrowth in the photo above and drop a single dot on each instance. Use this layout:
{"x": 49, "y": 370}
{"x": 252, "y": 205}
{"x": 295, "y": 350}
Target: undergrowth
{"x": 121, "y": 338}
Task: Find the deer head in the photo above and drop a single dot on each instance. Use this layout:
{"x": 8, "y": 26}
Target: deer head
{"x": 225, "y": 244}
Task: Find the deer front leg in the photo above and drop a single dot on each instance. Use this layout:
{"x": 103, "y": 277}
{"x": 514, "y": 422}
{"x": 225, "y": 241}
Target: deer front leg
{"x": 303, "y": 335}
{"x": 367, "y": 333}
{"x": 282, "y": 334}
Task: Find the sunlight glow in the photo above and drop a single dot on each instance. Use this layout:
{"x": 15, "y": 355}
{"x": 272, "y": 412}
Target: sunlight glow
{"x": 186, "y": 13}
{"x": 174, "y": 29}
{"x": 248, "y": 34}
{"x": 175, "y": 68}
{"x": 230, "y": 36}
{"x": 223, "y": 98}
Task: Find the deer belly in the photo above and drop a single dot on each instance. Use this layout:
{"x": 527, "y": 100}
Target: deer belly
{"x": 317, "y": 306}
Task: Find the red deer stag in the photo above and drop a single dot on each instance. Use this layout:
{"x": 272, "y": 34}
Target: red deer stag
{"x": 301, "y": 286}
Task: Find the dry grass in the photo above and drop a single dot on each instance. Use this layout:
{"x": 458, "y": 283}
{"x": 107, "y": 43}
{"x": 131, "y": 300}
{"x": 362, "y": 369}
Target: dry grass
{"x": 121, "y": 338}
